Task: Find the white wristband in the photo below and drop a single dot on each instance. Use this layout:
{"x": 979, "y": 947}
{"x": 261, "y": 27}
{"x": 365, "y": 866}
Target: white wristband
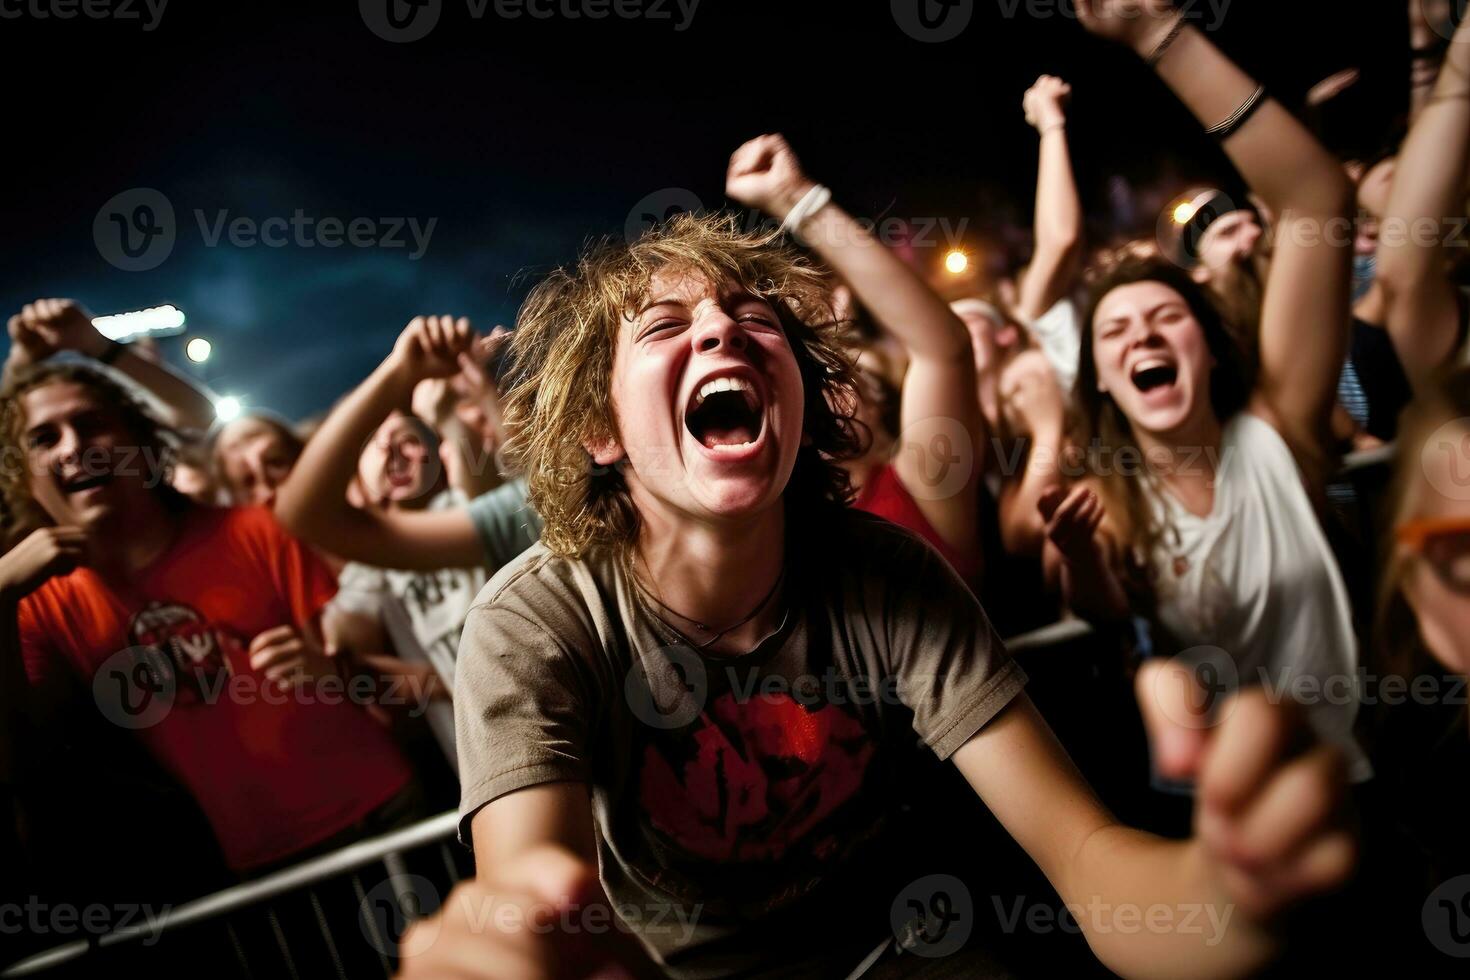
{"x": 811, "y": 202}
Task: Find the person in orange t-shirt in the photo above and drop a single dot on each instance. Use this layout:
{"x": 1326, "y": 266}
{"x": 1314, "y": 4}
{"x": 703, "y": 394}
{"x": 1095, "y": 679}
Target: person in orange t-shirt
{"x": 193, "y": 627}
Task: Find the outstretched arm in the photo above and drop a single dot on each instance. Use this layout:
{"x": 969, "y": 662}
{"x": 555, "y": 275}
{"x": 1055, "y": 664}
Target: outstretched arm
{"x": 1269, "y": 830}
{"x": 1058, "y": 223}
{"x": 312, "y": 504}
{"x": 1305, "y": 312}
{"x": 940, "y": 414}
{"x": 1428, "y": 192}
{"x": 47, "y": 326}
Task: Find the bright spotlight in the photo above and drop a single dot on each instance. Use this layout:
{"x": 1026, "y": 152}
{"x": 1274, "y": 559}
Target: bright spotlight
{"x": 157, "y": 321}
{"x": 198, "y": 350}
{"x": 956, "y": 262}
{"x": 1183, "y": 212}
{"x": 227, "y": 408}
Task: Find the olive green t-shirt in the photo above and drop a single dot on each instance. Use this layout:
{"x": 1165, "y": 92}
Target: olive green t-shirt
{"x": 730, "y": 793}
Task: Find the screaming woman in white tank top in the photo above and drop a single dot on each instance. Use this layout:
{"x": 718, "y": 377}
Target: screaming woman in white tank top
{"x": 1256, "y": 578}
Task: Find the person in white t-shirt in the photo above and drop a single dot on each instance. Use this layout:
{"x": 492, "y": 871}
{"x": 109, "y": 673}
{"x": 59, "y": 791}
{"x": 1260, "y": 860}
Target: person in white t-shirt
{"x": 1201, "y": 507}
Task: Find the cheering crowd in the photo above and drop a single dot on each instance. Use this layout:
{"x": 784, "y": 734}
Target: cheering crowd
{"x": 665, "y": 587}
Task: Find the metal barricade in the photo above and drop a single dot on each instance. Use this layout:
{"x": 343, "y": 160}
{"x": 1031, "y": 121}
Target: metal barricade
{"x": 339, "y": 915}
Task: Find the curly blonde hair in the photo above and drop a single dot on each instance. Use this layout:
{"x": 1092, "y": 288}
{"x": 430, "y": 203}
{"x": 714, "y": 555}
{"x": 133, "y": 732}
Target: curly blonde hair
{"x": 559, "y": 391}
{"x": 19, "y": 512}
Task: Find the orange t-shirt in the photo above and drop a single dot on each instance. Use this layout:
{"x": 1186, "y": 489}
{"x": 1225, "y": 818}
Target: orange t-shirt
{"x": 167, "y": 657}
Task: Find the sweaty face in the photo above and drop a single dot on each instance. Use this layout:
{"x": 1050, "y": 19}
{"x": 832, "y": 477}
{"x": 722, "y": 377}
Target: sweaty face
{"x": 399, "y": 463}
{"x": 1228, "y": 239}
{"x": 708, "y": 400}
{"x": 1437, "y": 580}
{"x": 84, "y": 464}
{"x": 1152, "y": 357}
{"x": 255, "y": 459}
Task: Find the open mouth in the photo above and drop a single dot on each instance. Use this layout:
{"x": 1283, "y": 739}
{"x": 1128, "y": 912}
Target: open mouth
{"x": 1154, "y": 374}
{"x": 725, "y": 412}
{"x": 84, "y": 482}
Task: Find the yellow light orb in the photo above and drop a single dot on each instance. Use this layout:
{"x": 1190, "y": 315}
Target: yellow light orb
{"x": 956, "y": 262}
{"x": 198, "y": 350}
{"x": 1183, "y": 212}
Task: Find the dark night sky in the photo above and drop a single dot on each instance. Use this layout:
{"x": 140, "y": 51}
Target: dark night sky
{"x": 523, "y": 137}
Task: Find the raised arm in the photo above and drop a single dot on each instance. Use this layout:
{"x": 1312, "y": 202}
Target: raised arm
{"x": 47, "y": 326}
{"x": 1058, "y": 223}
{"x": 1428, "y": 194}
{"x": 1305, "y": 312}
{"x": 312, "y": 503}
{"x": 938, "y": 398}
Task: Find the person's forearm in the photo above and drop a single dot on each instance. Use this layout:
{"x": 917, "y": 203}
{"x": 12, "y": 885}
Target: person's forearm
{"x": 1023, "y": 531}
{"x": 1058, "y": 227}
{"x": 1151, "y": 907}
{"x": 1429, "y": 177}
{"x": 191, "y": 403}
{"x": 312, "y": 503}
{"x": 897, "y": 297}
{"x": 1275, "y": 153}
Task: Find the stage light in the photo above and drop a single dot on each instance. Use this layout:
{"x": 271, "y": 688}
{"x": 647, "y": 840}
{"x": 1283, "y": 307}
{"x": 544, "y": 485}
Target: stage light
{"x": 227, "y": 408}
{"x": 157, "y": 321}
{"x": 1183, "y": 212}
{"x": 198, "y": 350}
{"x": 956, "y": 262}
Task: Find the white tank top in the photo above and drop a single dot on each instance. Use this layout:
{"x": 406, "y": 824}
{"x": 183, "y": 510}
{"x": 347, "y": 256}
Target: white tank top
{"x": 1256, "y": 578}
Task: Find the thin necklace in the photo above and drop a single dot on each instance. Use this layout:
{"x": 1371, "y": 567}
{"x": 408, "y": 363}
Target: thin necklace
{"x": 697, "y": 624}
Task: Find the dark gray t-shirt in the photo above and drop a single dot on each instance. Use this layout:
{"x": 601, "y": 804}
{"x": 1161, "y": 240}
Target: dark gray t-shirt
{"x": 729, "y": 793}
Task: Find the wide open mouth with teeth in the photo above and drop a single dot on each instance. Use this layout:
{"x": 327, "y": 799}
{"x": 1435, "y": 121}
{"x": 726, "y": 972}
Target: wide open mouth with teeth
{"x": 725, "y": 412}
{"x": 1154, "y": 373}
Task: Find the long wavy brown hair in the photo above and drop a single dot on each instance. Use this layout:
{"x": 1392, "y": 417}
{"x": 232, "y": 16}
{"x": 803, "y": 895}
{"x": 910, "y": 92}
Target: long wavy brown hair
{"x": 1101, "y": 424}
{"x": 559, "y": 384}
